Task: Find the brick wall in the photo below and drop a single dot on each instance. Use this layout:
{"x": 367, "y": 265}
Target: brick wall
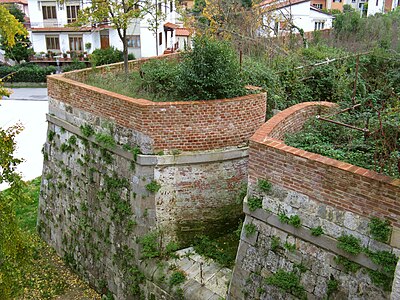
{"x": 187, "y": 126}
{"x": 338, "y": 184}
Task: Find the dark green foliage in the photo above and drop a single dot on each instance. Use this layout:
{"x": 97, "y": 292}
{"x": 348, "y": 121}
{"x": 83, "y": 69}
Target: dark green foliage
{"x": 275, "y": 243}
{"x": 381, "y": 279}
{"x": 87, "y": 130}
{"x": 288, "y": 282}
{"x": 250, "y": 229}
{"x": 379, "y": 111}
{"x": 293, "y": 220}
{"x": 290, "y": 247}
{"x": 348, "y": 265}
{"x": 153, "y": 186}
{"x": 254, "y": 203}
{"x": 150, "y": 245}
{"x": 75, "y": 65}
{"x": 26, "y": 72}
{"x": 177, "y": 278}
{"x": 209, "y": 71}
{"x": 222, "y": 250}
{"x": 137, "y": 277}
{"x": 317, "y": 231}
{"x": 379, "y": 229}
{"x": 159, "y": 77}
{"x": 333, "y": 286}
{"x": 51, "y": 135}
{"x": 350, "y": 244}
{"x": 22, "y": 50}
{"x": 106, "y": 56}
{"x": 386, "y": 260}
{"x": 105, "y": 140}
{"x": 264, "y": 185}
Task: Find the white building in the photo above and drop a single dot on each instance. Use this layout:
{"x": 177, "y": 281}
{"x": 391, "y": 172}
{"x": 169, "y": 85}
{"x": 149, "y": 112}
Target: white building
{"x": 49, "y": 30}
{"x": 381, "y": 6}
{"x": 282, "y": 16}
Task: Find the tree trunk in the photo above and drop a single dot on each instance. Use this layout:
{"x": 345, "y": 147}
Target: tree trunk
{"x": 125, "y": 52}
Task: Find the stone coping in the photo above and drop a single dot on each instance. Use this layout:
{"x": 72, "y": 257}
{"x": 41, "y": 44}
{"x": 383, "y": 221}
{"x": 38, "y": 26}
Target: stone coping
{"x": 263, "y": 136}
{"x": 154, "y": 160}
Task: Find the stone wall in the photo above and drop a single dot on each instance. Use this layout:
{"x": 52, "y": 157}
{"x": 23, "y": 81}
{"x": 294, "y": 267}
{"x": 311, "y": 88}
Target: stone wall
{"x": 299, "y": 206}
{"x": 118, "y": 170}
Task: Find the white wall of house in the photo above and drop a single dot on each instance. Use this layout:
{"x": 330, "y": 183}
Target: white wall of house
{"x": 142, "y": 40}
{"x": 375, "y": 6}
{"x": 301, "y": 14}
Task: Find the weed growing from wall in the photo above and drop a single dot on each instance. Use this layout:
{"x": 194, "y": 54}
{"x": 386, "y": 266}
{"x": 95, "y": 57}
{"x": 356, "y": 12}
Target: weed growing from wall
{"x": 288, "y": 282}
{"x": 264, "y": 185}
{"x": 333, "y": 286}
{"x": 250, "y": 229}
{"x": 349, "y": 266}
{"x": 350, "y": 244}
{"x": 293, "y": 220}
{"x": 275, "y": 243}
{"x": 153, "y": 186}
{"x": 106, "y": 140}
{"x": 317, "y": 231}
{"x": 254, "y": 203}
{"x": 379, "y": 229}
{"x": 87, "y": 130}
{"x": 177, "y": 278}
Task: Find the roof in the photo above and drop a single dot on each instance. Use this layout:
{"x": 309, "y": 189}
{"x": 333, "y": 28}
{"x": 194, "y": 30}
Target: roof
{"x": 24, "y": 2}
{"x": 276, "y": 4}
{"x": 182, "y": 32}
{"x": 171, "y": 25}
{"x": 320, "y": 11}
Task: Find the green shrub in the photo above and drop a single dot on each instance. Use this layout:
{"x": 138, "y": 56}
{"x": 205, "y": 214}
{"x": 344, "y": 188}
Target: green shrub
{"x": 26, "y": 73}
{"x": 75, "y": 65}
{"x": 177, "y": 278}
{"x": 159, "y": 77}
{"x": 106, "y": 56}
{"x": 210, "y": 71}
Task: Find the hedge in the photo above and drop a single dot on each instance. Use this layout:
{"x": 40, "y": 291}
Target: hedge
{"x": 26, "y": 73}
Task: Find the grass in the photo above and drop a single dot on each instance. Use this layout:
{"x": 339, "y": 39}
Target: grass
{"x": 46, "y": 277}
{"x": 128, "y": 85}
{"x": 221, "y": 249}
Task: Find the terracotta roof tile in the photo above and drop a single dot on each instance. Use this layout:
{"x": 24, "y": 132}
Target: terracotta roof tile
{"x": 182, "y": 32}
{"x": 25, "y": 2}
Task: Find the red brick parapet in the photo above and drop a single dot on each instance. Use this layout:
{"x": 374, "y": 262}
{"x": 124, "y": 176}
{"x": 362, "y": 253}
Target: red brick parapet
{"x": 183, "y": 125}
{"x": 323, "y": 179}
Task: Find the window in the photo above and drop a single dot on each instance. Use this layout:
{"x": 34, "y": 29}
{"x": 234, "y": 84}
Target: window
{"x": 52, "y": 43}
{"x": 319, "y": 25}
{"x": 337, "y": 1}
{"x": 376, "y": 3}
{"x": 159, "y": 7}
{"x": 318, "y": 5}
{"x": 133, "y": 41}
{"x": 75, "y": 43}
{"x": 160, "y": 38}
{"x": 165, "y": 6}
{"x": 171, "y": 6}
{"x": 353, "y": 1}
{"x": 72, "y": 13}
{"x": 49, "y": 12}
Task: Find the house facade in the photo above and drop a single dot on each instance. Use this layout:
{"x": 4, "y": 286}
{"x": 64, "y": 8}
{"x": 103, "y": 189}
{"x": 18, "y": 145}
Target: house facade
{"x": 359, "y": 5}
{"x": 382, "y": 6}
{"x": 282, "y": 17}
{"x": 49, "y": 30}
